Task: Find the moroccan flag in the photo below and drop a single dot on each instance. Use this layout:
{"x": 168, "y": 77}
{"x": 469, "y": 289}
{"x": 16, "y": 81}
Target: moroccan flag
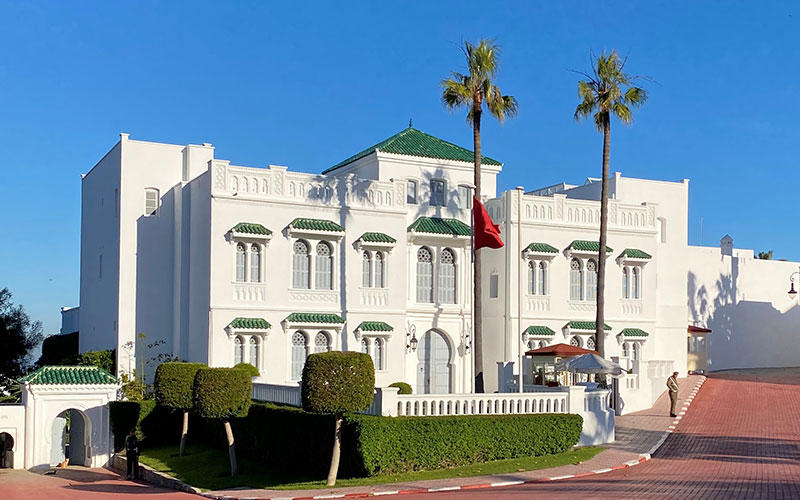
{"x": 487, "y": 233}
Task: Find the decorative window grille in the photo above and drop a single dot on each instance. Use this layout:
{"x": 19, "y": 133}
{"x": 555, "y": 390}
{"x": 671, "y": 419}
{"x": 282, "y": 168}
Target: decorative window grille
{"x": 590, "y": 343}
{"x": 299, "y": 354}
{"x": 254, "y": 351}
{"x": 377, "y": 358}
{"x": 625, "y": 281}
{"x": 575, "y": 342}
{"x": 380, "y": 270}
{"x": 300, "y": 265}
{"x": 424, "y": 275}
{"x": 531, "y": 278}
{"x": 240, "y": 262}
{"x": 635, "y": 292}
{"x": 322, "y": 343}
{"x": 366, "y": 270}
{"x": 238, "y": 350}
{"x": 255, "y": 263}
{"x": 591, "y": 280}
{"x": 447, "y": 277}
{"x": 575, "y": 280}
{"x": 365, "y": 345}
{"x": 542, "y": 286}
{"x": 324, "y": 271}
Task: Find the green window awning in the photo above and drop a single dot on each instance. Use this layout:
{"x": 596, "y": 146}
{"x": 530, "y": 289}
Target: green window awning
{"x": 587, "y": 246}
{"x": 539, "y": 330}
{"x": 585, "y": 325}
{"x": 374, "y": 237}
{"x": 316, "y": 225}
{"x": 437, "y": 225}
{"x": 375, "y": 326}
{"x": 251, "y": 228}
{"x": 541, "y": 248}
{"x": 303, "y": 317}
{"x": 70, "y": 375}
{"x": 635, "y": 253}
{"x": 412, "y": 142}
{"x": 634, "y": 332}
{"x": 250, "y": 324}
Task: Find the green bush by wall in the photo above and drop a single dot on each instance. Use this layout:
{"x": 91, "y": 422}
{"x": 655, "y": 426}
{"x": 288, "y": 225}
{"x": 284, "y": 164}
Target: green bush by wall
{"x": 251, "y": 370}
{"x": 404, "y": 388}
{"x": 173, "y": 384}
{"x": 155, "y": 425}
{"x": 222, "y": 393}
{"x": 336, "y": 382}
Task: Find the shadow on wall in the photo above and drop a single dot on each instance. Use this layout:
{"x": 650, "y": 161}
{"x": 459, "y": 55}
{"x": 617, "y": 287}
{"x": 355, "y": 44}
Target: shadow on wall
{"x": 744, "y": 333}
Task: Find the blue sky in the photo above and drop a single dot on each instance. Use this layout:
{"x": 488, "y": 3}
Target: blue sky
{"x": 307, "y": 84}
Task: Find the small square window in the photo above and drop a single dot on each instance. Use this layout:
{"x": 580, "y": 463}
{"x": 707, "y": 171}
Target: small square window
{"x": 411, "y": 192}
{"x": 437, "y": 193}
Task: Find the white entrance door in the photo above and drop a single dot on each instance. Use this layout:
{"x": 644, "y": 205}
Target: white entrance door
{"x": 58, "y": 440}
{"x": 433, "y": 367}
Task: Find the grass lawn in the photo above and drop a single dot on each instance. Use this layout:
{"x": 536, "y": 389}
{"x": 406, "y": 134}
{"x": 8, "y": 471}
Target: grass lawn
{"x": 209, "y": 469}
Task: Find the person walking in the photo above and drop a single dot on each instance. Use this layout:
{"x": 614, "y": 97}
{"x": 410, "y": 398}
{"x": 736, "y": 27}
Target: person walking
{"x": 132, "y": 455}
{"x": 672, "y": 385}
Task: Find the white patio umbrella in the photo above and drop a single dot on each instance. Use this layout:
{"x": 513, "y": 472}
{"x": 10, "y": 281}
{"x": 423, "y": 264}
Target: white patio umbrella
{"x": 590, "y": 363}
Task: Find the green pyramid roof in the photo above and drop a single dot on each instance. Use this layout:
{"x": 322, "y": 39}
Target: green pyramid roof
{"x": 250, "y": 228}
{"x": 438, "y": 225}
{"x": 412, "y": 142}
{"x": 250, "y": 324}
{"x": 70, "y": 375}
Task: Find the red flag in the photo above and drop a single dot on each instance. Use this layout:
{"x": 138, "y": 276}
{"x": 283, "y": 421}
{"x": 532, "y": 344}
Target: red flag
{"x": 487, "y": 233}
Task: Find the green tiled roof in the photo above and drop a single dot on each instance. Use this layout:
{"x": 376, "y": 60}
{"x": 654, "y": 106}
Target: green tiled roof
{"x": 438, "y": 225}
{"x": 412, "y": 142}
{"x": 315, "y": 318}
{"x": 250, "y": 228}
{"x": 539, "y": 330}
{"x": 377, "y": 238}
{"x": 375, "y": 326}
{"x": 316, "y": 225}
{"x": 541, "y": 248}
{"x": 585, "y": 325}
{"x": 635, "y": 253}
{"x": 250, "y": 324}
{"x": 588, "y": 246}
{"x": 634, "y": 332}
{"x": 70, "y": 375}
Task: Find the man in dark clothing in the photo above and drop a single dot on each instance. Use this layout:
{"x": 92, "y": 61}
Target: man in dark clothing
{"x": 132, "y": 455}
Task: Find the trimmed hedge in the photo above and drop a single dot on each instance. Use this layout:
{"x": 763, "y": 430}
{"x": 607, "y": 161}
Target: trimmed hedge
{"x": 250, "y": 369}
{"x": 222, "y": 393}
{"x": 336, "y": 382}
{"x": 404, "y": 388}
{"x": 153, "y": 424}
{"x": 386, "y": 445}
{"x": 173, "y": 384}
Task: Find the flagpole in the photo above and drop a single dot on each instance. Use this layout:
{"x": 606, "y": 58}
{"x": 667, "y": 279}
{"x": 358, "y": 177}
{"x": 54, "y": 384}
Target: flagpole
{"x": 518, "y": 333}
{"x": 472, "y": 300}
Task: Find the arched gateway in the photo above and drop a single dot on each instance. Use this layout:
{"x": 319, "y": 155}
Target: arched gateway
{"x": 434, "y": 367}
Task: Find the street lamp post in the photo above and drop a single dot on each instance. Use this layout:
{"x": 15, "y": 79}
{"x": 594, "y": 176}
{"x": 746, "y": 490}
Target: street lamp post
{"x": 792, "y": 292}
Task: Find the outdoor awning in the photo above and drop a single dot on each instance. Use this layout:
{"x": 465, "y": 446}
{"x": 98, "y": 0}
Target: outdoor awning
{"x": 698, "y": 329}
{"x": 559, "y": 350}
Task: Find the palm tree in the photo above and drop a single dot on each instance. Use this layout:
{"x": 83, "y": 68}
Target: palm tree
{"x": 475, "y": 90}
{"x": 607, "y": 91}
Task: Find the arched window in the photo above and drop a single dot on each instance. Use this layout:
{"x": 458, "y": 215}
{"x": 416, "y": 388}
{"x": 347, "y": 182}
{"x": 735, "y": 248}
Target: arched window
{"x": 365, "y": 345}
{"x": 542, "y": 286}
{"x": 542, "y": 343}
{"x": 635, "y": 351}
{"x": 575, "y": 280}
{"x": 575, "y": 342}
{"x": 322, "y": 343}
{"x": 255, "y": 263}
{"x": 424, "y": 275}
{"x": 300, "y": 265}
{"x": 299, "y": 354}
{"x": 366, "y": 270}
{"x": 447, "y": 277}
{"x": 380, "y": 270}
{"x": 635, "y": 283}
{"x": 531, "y": 278}
{"x": 240, "y": 262}
{"x": 624, "y": 349}
{"x": 377, "y": 357}
{"x": 590, "y": 344}
{"x": 625, "y": 280}
{"x": 254, "y": 351}
{"x": 591, "y": 280}
{"x": 324, "y": 269}
{"x": 238, "y": 350}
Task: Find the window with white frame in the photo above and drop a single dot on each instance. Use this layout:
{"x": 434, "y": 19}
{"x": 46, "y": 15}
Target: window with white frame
{"x": 575, "y": 280}
{"x": 151, "y": 199}
{"x": 301, "y": 261}
{"x": 591, "y": 279}
{"x": 299, "y": 354}
{"x": 255, "y": 263}
{"x": 636, "y": 283}
{"x": 636, "y": 349}
{"x": 625, "y": 283}
{"x": 238, "y": 350}
{"x": 366, "y": 269}
{"x": 380, "y": 270}
{"x": 437, "y": 193}
{"x": 537, "y": 278}
{"x": 625, "y": 350}
{"x": 375, "y": 347}
{"x": 447, "y": 277}
{"x": 365, "y": 345}
{"x": 241, "y": 259}
{"x": 632, "y": 282}
{"x": 465, "y": 197}
{"x": 254, "y": 345}
{"x": 322, "y": 342}
{"x": 531, "y": 277}
{"x": 590, "y": 344}
{"x": 411, "y": 192}
{"x": 424, "y": 275}
{"x": 324, "y": 267}
{"x": 542, "y": 286}
{"x": 575, "y": 342}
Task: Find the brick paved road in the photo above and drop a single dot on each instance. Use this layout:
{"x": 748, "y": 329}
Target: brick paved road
{"x": 740, "y": 440}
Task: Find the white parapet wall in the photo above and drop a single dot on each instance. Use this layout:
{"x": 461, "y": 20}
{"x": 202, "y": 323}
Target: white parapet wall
{"x": 592, "y": 406}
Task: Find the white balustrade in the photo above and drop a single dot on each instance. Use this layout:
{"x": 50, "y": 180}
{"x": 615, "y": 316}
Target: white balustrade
{"x": 285, "y": 394}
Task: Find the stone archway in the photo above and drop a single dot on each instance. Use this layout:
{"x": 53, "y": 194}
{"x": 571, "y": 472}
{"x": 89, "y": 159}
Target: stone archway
{"x": 70, "y": 438}
{"x": 434, "y": 367}
{"x": 6, "y": 451}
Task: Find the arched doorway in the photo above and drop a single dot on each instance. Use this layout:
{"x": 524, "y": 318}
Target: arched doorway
{"x": 70, "y": 438}
{"x": 6, "y": 451}
{"x": 433, "y": 366}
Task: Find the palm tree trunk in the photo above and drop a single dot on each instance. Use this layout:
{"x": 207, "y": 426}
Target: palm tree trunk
{"x": 231, "y": 447}
{"x": 184, "y": 431}
{"x": 477, "y": 338}
{"x": 337, "y": 450}
{"x": 600, "y": 333}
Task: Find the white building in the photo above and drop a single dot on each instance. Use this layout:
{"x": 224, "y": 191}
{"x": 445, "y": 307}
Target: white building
{"x": 220, "y": 263}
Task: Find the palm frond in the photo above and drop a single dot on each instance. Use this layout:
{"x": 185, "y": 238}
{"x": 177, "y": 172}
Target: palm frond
{"x": 455, "y": 94}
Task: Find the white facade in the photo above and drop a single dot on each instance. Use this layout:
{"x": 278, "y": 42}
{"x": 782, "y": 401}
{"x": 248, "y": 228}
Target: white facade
{"x": 209, "y": 261}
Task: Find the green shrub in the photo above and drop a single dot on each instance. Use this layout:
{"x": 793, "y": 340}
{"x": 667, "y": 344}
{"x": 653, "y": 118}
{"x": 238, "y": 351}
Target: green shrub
{"x": 404, "y": 388}
{"x": 251, "y": 370}
{"x": 222, "y": 393}
{"x": 103, "y": 359}
{"x": 173, "y": 384}
{"x": 389, "y": 445}
{"x": 154, "y": 425}
{"x": 56, "y": 348}
{"x": 338, "y": 382}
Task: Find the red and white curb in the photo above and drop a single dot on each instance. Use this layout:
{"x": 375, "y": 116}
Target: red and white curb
{"x": 642, "y": 458}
